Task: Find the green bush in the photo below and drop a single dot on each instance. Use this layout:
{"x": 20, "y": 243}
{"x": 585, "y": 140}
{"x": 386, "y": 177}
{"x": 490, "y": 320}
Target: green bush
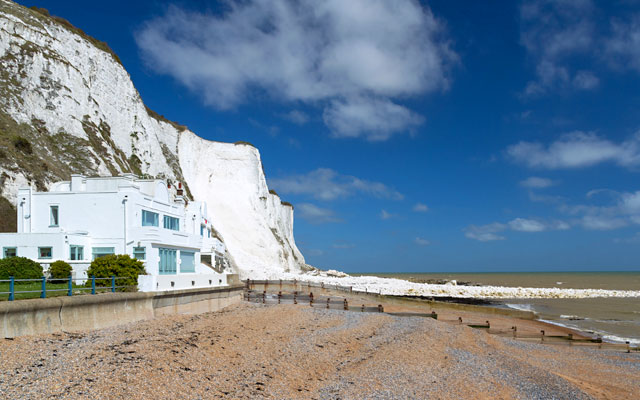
{"x": 22, "y": 144}
{"x": 60, "y": 271}
{"x": 20, "y": 268}
{"x": 120, "y": 266}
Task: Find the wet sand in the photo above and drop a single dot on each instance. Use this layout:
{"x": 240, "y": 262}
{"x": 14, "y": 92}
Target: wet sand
{"x": 293, "y": 351}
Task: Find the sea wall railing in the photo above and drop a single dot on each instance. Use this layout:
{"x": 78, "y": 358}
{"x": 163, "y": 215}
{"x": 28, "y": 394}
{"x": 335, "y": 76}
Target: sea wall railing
{"x": 46, "y": 285}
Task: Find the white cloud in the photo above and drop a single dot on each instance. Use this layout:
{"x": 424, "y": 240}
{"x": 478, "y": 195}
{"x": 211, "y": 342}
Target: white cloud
{"x": 422, "y": 242}
{"x": 327, "y": 184}
{"x": 623, "y": 47}
{"x": 375, "y": 119}
{"x": 603, "y": 223}
{"x": 553, "y": 32}
{"x": 354, "y": 57}
{"x": 485, "y": 233}
{"x": 623, "y": 210}
{"x": 386, "y": 215}
{"x": 297, "y": 117}
{"x": 490, "y": 232}
{"x": 534, "y": 225}
{"x": 420, "y": 207}
{"x": 535, "y": 182}
{"x": 315, "y": 215}
{"x": 526, "y": 225}
{"x": 577, "y": 149}
{"x": 585, "y": 80}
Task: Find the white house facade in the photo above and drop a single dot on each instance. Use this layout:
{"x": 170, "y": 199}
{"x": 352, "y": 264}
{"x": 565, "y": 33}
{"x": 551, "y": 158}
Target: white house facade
{"x": 88, "y": 217}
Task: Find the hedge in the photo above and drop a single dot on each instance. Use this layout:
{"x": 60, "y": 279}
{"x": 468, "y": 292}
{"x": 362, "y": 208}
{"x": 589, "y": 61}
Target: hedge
{"x": 120, "y": 266}
{"x": 20, "y": 268}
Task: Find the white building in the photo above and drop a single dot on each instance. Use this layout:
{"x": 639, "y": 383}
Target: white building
{"x": 87, "y": 217}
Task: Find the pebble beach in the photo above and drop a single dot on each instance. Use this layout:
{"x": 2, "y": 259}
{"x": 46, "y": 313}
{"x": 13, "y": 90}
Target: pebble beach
{"x": 295, "y": 352}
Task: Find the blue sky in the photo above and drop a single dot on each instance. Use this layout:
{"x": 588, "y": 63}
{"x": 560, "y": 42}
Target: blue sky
{"x": 433, "y": 136}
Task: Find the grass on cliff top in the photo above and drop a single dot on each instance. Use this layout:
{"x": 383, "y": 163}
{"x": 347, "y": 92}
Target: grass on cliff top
{"x": 44, "y": 13}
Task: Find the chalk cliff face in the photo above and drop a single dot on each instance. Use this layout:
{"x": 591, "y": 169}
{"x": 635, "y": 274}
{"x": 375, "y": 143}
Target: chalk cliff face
{"x": 67, "y": 106}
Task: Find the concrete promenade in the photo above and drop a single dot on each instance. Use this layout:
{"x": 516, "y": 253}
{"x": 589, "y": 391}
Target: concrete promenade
{"x": 87, "y": 312}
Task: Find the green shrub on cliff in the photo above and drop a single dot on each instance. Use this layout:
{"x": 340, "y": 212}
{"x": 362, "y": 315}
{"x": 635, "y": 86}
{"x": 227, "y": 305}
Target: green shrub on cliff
{"x": 120, "y": 266}
{"x": 20, "y": 268}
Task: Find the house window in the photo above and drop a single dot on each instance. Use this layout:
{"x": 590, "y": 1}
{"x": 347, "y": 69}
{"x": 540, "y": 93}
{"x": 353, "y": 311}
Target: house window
{"x": 167, "y": 261}
{"x": 53, "y": 216}
{"x": 140, "y": 253}
{"x": 149, "y": 218}
{"x": 10, "y": 252}
{"x": 76, "y": 253}
{"x": 187, "y": 261}
{"x": 171, "y": 223}
{"x": 102, "y": 251}
{"x": 44, "y": 252}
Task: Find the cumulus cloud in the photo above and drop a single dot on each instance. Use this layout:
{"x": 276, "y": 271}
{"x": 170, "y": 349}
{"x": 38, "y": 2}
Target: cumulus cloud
{"x": 316, "y": 215}
{"x": 552, "y": 32}
{"x": 384, "y": 214}
{"x": 535, "y": 182}
{"x": 375, "y": 119}
{"x": 489, "y": 232}
{"x": 351, "y": 57}
{"x": 534, "y": 225}
{"x": 577, "y": 149}
{"x": 297, "y": 117}
{"x": 420, "y": 207}
{"x": 422, "y": 242}
{"x": 327, "y": 184}
{"x": 623, "y": 210}
{"x": 485, "y": 233}
{"x": 623, "y": 47}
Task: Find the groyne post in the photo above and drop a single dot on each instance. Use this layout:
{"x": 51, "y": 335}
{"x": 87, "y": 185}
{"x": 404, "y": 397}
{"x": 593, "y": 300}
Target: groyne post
{"x": 515, "y": 330}
{"x": 542, "y": 337}
{"x": 328, "y": 300}
{"x": 345, "y": 304}
{"x": 279, "y": 295}
{"x": 311, "y": 299}
{"x": 295, "y": 297}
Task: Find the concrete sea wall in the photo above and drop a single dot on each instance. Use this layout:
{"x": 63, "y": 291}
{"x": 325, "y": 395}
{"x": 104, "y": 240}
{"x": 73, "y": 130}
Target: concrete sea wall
{"x": 80, "y": 313}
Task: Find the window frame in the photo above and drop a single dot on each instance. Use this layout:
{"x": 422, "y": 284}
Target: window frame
{"x": 4, "y": 251}
{"x": 171, "y": 223}
{"x": 168, "y": 263}
{"x": 79, "y": 255}
{"x": 54, "y": 223}
{"x": 190, "y": 268}
{"x": 156, "y": 218}
{"x": 40, "y": 248}
{"x": 102, "y": 253}
{"x": 137, "y": 250}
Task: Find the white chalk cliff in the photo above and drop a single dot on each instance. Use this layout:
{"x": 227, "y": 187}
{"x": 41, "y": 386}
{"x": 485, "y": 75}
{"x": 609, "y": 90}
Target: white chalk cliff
{"x": 67, "y": 106}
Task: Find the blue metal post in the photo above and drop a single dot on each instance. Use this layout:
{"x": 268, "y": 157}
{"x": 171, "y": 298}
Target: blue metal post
{"x": 43, "y": 293}
{"x": 93, "y": 284}
{"x": 70, "y": 292}
{"x": 113, "y": 284}
{"x": 11, "y": 288}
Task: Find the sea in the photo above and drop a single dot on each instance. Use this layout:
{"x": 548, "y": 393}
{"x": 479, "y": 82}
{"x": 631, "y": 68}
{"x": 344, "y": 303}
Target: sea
{"x": 615, "y": 319}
